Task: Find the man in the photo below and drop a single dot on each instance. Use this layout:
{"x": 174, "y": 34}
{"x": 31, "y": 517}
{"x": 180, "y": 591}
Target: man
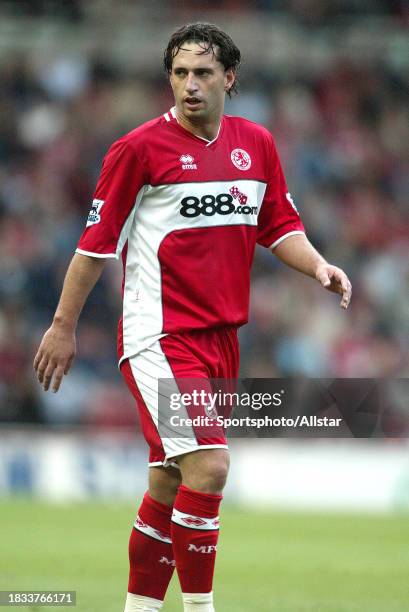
{"x": 184, "y": 198}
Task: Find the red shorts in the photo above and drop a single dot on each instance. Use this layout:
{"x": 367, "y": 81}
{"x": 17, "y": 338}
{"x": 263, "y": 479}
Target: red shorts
{"x": 199, "y": 355}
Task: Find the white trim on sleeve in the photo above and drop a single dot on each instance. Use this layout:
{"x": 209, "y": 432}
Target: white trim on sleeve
{"x": 99, "y": 255}
{"x": 277, "y": 242}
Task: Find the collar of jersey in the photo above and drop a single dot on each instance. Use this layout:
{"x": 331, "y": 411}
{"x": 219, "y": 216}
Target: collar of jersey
{"x": 172, "y": 114}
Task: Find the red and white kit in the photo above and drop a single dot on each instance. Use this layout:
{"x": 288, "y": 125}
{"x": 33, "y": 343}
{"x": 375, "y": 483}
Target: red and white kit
{"x": 185, "y": 214}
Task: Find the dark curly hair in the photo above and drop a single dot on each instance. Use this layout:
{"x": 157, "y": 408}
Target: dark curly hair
{"x": 214, "y": 40}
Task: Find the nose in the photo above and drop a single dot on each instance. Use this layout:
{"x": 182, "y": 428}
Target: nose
{"x": 191, "y": 84}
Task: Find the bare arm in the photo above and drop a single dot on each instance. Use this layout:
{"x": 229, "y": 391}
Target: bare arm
{"x": 57, "y": 349}
{"x": 297, "y": 251}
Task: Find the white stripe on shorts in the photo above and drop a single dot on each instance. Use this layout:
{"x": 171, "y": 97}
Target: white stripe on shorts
{"x": 148, "y": 367}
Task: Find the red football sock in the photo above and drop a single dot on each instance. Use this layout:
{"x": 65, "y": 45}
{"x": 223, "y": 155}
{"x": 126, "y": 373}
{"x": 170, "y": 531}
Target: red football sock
{"x": 194, "y": 531}
{"x": 150, "y": 550}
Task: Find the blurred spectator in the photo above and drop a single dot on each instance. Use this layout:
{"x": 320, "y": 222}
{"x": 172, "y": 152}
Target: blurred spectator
{"x": 343, "y": 134}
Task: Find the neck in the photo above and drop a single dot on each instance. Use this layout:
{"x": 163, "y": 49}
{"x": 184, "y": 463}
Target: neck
{"x": 204, "y": 129}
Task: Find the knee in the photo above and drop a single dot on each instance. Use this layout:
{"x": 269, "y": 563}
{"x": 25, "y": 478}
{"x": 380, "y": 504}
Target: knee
{"x": 164, "y": 484}
{"x": 205, "y": 471}
{"x": 214, "y": 477}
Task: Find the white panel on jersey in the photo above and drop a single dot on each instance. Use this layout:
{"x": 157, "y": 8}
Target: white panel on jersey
{"x": 161, "y": 205}
{"x": 159, "y": 214}
{"x": 123, "y": 237}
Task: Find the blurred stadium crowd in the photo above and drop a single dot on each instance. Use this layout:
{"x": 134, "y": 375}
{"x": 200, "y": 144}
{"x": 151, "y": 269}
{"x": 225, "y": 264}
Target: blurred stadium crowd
{"x": 342, "y": 133}
{"x": 307, "y": 11}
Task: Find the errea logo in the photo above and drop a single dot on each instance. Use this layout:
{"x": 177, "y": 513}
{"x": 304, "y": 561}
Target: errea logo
{"x": 188, "y": 162}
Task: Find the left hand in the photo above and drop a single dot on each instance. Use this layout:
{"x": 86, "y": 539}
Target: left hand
{"x": 334, "y": 279}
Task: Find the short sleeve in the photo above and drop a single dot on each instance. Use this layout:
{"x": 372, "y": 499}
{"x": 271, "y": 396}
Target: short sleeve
{"x": 278, "y": 217}
{"x": 117, "y": 194}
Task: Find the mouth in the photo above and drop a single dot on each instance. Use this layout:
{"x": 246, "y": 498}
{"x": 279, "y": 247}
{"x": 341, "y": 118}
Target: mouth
{"x": 192, "y": 101}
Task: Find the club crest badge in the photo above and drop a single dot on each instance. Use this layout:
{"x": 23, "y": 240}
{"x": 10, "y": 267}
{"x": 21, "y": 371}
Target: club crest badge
{"x": 241, "y": 159}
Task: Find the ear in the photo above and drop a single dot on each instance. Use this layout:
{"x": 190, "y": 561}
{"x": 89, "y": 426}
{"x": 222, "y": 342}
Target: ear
{"x": 229, "y": 78}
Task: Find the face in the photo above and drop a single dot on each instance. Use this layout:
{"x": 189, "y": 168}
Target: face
{"x": 199, "y": 84}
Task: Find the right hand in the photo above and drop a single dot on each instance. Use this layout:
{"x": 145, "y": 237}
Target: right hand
{"x": 54, "y": 357}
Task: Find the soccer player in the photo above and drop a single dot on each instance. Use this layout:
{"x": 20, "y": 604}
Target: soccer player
{"x": 183, "y": 199}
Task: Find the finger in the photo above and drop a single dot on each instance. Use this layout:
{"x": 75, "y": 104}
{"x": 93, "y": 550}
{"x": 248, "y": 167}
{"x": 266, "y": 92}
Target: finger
{"x": 37, "y": 359}
{"x": 345, "y": 292}
{"x": 41, "y": 367}
{"x": 341, "y": 287}
{"x": 324, "y": 279}
{"x": 69, "y": 364}
{"x": 346, "y": 296}
{"x": 58, "y": 374}
{"x": 340, "y": 282}
{"x": 48, "y": 374}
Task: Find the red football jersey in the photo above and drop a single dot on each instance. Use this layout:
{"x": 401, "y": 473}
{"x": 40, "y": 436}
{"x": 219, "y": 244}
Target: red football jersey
{"x": 185, "y": 214}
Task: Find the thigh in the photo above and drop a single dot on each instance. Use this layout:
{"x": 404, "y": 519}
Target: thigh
{"x": 175, "y": 363}
{"x": 164, "y": 484}
{"x": 143, "y": 391}
{"x": 194, "y": 358}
